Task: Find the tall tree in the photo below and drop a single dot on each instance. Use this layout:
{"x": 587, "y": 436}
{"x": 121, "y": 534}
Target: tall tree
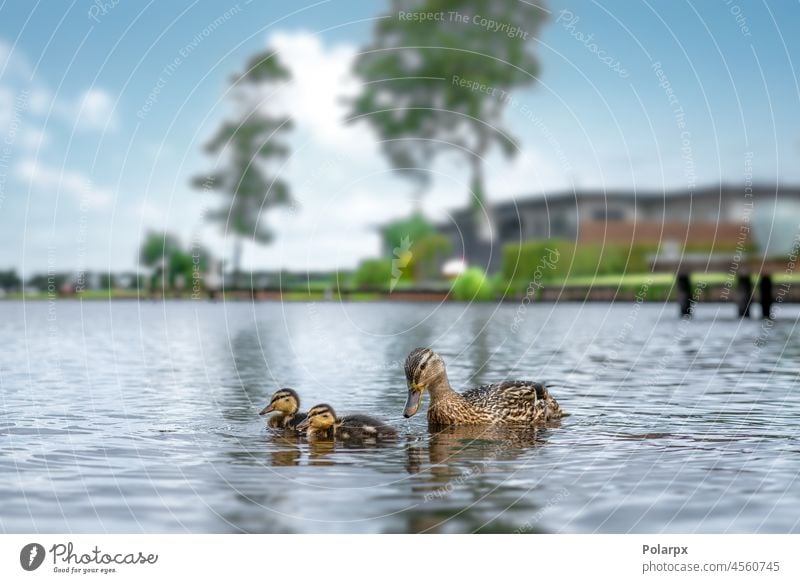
{"x": 247, "y": 144}
{"x": 162, "y": 253}
{"x": 437, "y": 75}
{"x": 9, "y": 280}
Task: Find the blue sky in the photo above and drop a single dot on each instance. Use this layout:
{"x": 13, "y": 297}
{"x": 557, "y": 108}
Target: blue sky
{"x": 90, "y": 162}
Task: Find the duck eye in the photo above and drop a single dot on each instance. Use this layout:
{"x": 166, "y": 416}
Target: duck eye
{"x": 424, "y": 364}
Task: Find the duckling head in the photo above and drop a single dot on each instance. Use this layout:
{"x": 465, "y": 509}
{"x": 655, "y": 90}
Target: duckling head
{"x": 424, "y": 369}
{"x": 320, "y": 418}
{"x": 287, "y": 401}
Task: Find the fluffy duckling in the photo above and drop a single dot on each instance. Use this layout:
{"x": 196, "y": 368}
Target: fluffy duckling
{"x": 322, "y": 422}
{"x": 287, "y": 403}
{"x": 509, "y": 402}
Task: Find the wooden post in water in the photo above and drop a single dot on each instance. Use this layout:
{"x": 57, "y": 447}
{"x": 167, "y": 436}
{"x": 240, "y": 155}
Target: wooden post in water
{"x": 765, "y": 295}
{"x": 744, "y": 294}
{"x": 684, "y": 294}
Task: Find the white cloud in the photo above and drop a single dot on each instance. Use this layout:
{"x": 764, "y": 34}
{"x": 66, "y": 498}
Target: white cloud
{"x": 90, "y": 110}
{"x": 19, "y": 130}
{"x": 14, "y": 76}
{"x": 95, "y": 110}
{"x": 39, "y": 101}
{"x": 322, "y": 80}
{"x": 33, "y": 138}
{"x": 14, "y": 63}
{"x": 44, "y": 178}
{"x": 151, "y": 215}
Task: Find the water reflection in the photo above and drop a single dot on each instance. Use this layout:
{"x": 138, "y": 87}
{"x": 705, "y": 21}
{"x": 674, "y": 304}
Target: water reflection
{"x": 458, "y": 445}
{"x": 461, "y": 464}
{"x": 287, "y": 449}
{"x": 147, "y": 421}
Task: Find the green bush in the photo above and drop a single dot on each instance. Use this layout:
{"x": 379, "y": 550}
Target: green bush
{"x": 557, "y": 260}
{"x": 472, "y": 285}
{"x": 501, "y": 287}
{"x": 542, "y": 261}
{"x": 416, "y": 247}
{"x": 427, "y": 255}
{"x": 609, "y": 259}
{"x": 373, "y": 274}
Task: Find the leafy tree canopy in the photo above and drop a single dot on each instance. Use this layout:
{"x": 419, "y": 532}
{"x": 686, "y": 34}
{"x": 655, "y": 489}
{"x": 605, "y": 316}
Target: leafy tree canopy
{"x": 244, "y": 145}
{"x": 423, "y": 78}
{"x": 415, "y": 228}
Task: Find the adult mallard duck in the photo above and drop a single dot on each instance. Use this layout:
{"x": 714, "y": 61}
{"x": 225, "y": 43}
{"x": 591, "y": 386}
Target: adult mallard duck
{"x": 287, "y": 403}
{"x": 509, "y": 402}
{"x": 322, "y": 423}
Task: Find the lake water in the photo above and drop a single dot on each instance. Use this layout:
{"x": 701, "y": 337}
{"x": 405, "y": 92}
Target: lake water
{"x": 142, "y": 417}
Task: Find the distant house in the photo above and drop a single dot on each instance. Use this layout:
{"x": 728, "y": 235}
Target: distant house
{"x": 80, "y": 281}
{"x": 670, "y": 220}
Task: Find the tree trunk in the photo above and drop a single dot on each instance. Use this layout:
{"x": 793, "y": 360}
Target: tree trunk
{"x": 480, "y": 209}
{"x": 476, "y": 185}
{"x": 237, "y": 262}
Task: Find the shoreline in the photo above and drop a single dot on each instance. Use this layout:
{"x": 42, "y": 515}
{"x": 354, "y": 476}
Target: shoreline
{"x": 550, "y": 294}
{"x": 634, "y": 287}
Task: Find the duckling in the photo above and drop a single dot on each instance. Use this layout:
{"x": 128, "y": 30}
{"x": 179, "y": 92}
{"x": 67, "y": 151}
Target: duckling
{"x": 509, "y": 402}
{"x": 287, "y": 403}
{"x": 322, "y": 422}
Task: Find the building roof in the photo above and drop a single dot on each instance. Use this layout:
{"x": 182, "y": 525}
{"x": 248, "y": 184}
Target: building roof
{"x": 612, "y": 194}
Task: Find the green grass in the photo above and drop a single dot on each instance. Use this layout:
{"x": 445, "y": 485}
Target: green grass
{"x": 104, "y": 294}
{"x": 786, "y": 278}
{"x": 661, "y": 285}
{"x": 639, "y": 279}
{"x": 95, "y": 294}
{"x": 636, "y": 279}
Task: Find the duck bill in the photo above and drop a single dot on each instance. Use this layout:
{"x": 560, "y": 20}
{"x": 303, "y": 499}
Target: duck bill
{"x": 303, "y": 425}
{"x": 267, "y": 409}
{"x": 413, "y": 401}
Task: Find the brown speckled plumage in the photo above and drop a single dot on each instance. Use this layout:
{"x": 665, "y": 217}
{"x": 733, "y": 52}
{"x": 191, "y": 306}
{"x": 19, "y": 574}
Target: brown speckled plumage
{"x": 286, "y": 421}
{"x": 322, "y": 423}
{"x": 508, "y": 402}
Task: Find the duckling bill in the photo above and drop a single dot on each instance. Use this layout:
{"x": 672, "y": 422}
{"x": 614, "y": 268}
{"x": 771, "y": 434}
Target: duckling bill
{"x": 322, "y": 423}
{"x": 286, "y": 402}
{"x": 509, "y": 402}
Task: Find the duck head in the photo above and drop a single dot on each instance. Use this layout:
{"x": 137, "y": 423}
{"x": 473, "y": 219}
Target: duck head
{"x": 286, "y": 401}
{"x": 424, "y": 369}
{"x": 320, "y": 418}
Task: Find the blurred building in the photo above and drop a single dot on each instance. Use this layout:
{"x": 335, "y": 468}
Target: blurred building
{"x": 707, "y": 218}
